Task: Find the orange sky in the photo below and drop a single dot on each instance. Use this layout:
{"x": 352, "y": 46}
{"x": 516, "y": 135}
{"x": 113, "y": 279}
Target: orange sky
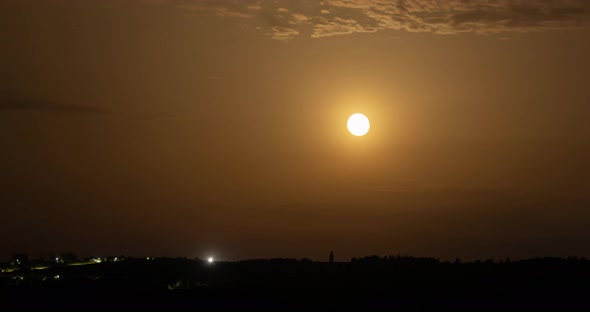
{"x": 190, "y": 128}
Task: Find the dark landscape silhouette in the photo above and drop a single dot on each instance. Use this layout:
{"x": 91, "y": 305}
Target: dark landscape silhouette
{"x": 398, "y": 282}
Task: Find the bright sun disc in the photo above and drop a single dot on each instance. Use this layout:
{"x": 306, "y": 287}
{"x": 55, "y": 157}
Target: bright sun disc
{"x": 358, "y": 124}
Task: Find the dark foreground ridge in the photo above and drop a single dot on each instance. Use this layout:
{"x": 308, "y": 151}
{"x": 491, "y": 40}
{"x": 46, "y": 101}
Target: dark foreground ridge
{"x": 399, "y": 283}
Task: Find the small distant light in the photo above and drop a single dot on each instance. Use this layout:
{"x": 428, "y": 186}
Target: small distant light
{"x": 210, "y": 260}
{"x": 56, "y": 277}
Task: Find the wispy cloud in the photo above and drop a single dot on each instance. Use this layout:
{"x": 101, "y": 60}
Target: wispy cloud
{"x": 224, "y": 12}
{"x": 339, "y": 26}
{"x": 254, "y": 6}
{"x": 448, "y": 17}
{"x": 283, "y": 33}
{"x": 218, "y": 8}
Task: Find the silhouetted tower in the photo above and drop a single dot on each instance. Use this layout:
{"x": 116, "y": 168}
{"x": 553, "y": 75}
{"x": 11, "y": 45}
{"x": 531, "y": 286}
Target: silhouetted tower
{"x": 331, "y": 256}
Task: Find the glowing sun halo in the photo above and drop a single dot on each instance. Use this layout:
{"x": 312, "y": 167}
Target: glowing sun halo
{"x": 358, "y": 124}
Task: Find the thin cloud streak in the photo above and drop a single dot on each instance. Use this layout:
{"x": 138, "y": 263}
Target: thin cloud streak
{"x": 41, "y": 105}
{"x": 33, "y": 105}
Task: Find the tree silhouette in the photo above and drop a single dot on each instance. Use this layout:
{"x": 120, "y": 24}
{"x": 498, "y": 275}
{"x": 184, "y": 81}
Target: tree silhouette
{"x": 68, "y": 257}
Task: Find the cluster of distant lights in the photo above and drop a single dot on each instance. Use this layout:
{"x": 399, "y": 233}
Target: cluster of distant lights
{"x": 116, "y": 259}
{"x": 210, "y": 260}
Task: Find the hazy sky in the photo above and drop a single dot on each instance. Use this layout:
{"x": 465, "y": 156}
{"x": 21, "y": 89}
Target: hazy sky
{"x": 196, "y": 128}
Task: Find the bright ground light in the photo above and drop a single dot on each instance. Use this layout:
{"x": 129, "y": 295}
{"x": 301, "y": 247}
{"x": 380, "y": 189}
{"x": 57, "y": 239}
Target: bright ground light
{"x": 210, "y": 259}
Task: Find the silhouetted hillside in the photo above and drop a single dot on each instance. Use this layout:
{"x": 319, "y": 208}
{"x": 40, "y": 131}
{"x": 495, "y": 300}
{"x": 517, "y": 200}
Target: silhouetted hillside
{"x": 406, "y": 283}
